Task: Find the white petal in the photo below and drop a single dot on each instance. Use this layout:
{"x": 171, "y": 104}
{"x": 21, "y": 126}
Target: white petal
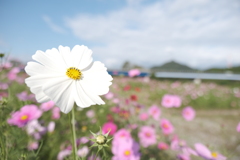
{"x": 34, "y": 68}
{"x": 39, "y": 95}
{"x": 97, "y": 78}
{"x": 52, "y": 60}
{"x": 60, "y": 90}
{"x": 84, "y": 97}
{"x": 66, "y": 55}
{"x": 82, "y": 56}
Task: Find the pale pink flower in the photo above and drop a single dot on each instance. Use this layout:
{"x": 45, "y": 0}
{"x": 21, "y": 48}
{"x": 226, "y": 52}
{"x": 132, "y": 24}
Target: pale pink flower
{"x": 93, "y": 157}
{"x": 64, "y": 153}
{"x": 155, "y": 112}
{"x": 147, "y": 136}
{"x": 238, "y": 127}
{"x": 26, "y": 114}
{"x": 163, "y": 146}
{"x": 183, "y": 156}
{"x": 143, "y": 116}
{"x": 56, "y": 113}
{"x": 205, "y": 153}
{"x": 83, "y": 151}
{"x": 3, "y": 86}
{"x": 177, "y": 101}
{"x": 166, "y": 126}
{"x": 90, "y": 113}
{"x": 121, "y": 135}
{"x": 116, "y": 100}
{"x": 34, "y": 127}
{"x": 47, "y": 106}
{"x": 32, "y": 146}
{"x": 12, "y": 75}
{"x": 134, "y": 72}
{"x": 188, "y": 113}
{"x": 168, "y": 101}
{"x": 109, "y": 95}
{"x": 51, "y": 126}
{"x": 109, "y": 126}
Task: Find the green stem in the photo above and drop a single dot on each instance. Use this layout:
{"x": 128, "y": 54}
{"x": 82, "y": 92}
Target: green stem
{"x": 74, "y": 145}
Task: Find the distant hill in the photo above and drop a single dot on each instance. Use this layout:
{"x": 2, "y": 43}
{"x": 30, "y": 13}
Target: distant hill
{"x": 172, "y": 67}
{"x": 224, "y": 70}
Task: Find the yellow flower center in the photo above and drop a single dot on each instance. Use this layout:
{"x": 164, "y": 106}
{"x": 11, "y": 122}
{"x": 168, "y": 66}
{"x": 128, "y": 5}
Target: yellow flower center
{"x": 24, "y": 117}
{"x": 127, "y": 153}
{"x": 214, "y": 155}
{"x": 74, "y": 73}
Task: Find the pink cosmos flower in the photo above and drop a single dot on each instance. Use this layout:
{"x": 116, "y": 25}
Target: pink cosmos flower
{"x": 177, "y": 101}
{"x": 121, "y": 135}
{"x": 23, "y": 96}
{"x": 109, "y": 126}
{"x": 147, "y": 136}
{"x": 134, "y": 72}
{"x": 83, "y": 151}
{"x": 143, "y": 116}
{"x": 177, "y": 144}
{"x": 26, "y": 114}
{"x": 168, "y": 101}
{"x": 47, "y": 106}
{"x": 183, "y": 157}
{"x": 3, "y": 86}
{"x": 126, "y": 149}
{"x": 34, "y": 127}
{"x": 205, "y": 153}
{"x": 163, "y": 146}
{"x": 64, "y": 153}
{"x": 238, "y": 127}
{"x": 56, "y": 113}
{"x": 166, "y": 126}
{"x": 155, "y": 112}
{"x": 188, "y": 113}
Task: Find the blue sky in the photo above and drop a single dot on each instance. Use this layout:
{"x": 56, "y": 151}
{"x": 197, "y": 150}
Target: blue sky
{"x": 199, "y": 33}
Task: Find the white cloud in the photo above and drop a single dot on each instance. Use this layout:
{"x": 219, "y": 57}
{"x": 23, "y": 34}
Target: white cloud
{"x": 52, "y": 25}
{"x": 200, "y": 33}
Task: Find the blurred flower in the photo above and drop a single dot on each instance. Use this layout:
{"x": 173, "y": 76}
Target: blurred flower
{"x": 47, "y": 105}
{"x": 33, "y": 146}
{"x": 163, "y": 146}
{"x": 109, "y": 126}
{"x": 3, "y": 86}
{"x": 166, "y": 126}
{"x": 155, "y": 112}
{"x": 177, "y": 101}
{"x": 126, "y": 149}
{"x": 34, "y": 127}
{"x": 183, "y": 157}
{"x": 177, "y": 144}
{"x": 66, "y": 76}
{"x": 116, "y": 100}
{"x": 168, "y": 101}
{"x": 83, "y": 140}
{"x": 133, "y": 97}
{"x": 188, "y": 113}
{"x": 127, "y": 88}
{"x": 90, "y": 113}
{"x": 51, "y": 126}
{"x": 83, "y": 151}
{"x": 12, "y": 75}
{"x": 205, "y": 153}
{"x": 120, "y": 135}
{"x": 109, "y": 95}
{"x": 56, "y": 113}
{"x": 134, "y": 72}
{"x": 26, "y": 114}
{"x": 93, "y": 157}
{"x": 64, "y": 153}
{"x": 238, "y": 127}
{"x": 147, "y": 136}
{"x": 143, "y": 116}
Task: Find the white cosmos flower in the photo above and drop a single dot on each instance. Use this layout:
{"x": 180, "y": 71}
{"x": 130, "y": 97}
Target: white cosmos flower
{"x": 66, "y": 76}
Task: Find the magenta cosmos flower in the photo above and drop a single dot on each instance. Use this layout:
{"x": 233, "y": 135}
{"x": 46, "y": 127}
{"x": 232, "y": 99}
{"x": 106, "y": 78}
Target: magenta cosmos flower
{"x": 109, "y": 126}
{"x": 163, "y": 146}
{"x": 205, "y": 153}
{"x": 188, "y": 113}
{"x": 166, "y": 126}
{"x": 147, "y": 136}
{"x": 134, "y": 72}
{"x": 26, "y": 114}
{"x": 47, "y": 105}
{"x": 169, "y": 101}
{"x": 143, "y": 116}
{"x": 155, "y": 112}
{"x": 121, "y": 135}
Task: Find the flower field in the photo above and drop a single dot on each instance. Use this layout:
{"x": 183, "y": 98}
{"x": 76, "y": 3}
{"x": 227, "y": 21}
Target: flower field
{"x": 147, "y": 119}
